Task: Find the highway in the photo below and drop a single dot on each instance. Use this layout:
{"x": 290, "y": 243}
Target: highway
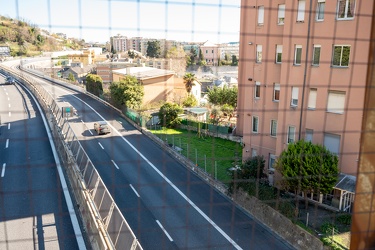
{"x": 166, "y": 205}
{"x": 33, "y": 211}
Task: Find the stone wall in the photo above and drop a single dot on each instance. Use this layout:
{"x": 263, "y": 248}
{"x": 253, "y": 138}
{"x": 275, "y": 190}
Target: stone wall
{"x": 295, "y": 235}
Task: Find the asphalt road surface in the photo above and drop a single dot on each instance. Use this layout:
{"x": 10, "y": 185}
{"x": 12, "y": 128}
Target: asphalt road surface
{"x": 33, "y": 211}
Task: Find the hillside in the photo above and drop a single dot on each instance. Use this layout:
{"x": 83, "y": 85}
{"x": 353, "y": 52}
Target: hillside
{"x": 25, "y": 39}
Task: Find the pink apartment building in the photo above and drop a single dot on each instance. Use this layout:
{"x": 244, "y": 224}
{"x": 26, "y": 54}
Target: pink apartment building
{"x": 302, "y": 75}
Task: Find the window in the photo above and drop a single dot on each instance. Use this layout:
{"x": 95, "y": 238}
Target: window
{"x": 297, "y": 55}
{"x": 271, "y": 162}
{"x": 254, "y": 152}
{"x": 257, "y": 90}
{"x": 206, "y": 51}
{"x": 340, "y": 57}
{"x": 212, "y": 51}
{"x": 291, "y": 132}
{"x": 336, "y": 102}
{"x": 309, "y": 135}
{"x": 345, "y": 9}
{"x": 312, "y": 99}
{"x": 259, "y": 54}
{"x": 276, "y": 92}
{"x": 301, "y": 11}
{"x": 332, "y": 142}
{"x": 281, "y": 14}
{"x": 260, "y": 15}
{"x": 320, "y": 10}
{"x": 316, "y": 55}
{"x": 273, "y": 127}
{"x": 294, "y": 101}
{"x": 279, "y": 53}
{"x": 255, "y": 124}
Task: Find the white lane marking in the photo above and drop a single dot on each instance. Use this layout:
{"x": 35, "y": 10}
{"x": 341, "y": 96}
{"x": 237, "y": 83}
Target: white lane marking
{"x": 83, "y": 122}
{"x": 100, "y": 145}
{"x": 135, "y": 191}
{"x": 166, "y": 179}
{"x": 10, "y": 114}
{"x": 9, "y": 105}
{"x": 90, "y": 132}
{"x": 69, "y": 203}
{"x": 8, "y": 125}
{"x": 3, "y": 170}
{"x": 165, "y": 231}
{"x": 6, "y": 93}
{"x": 8, "y": 99}
{"x": 114, "y": 163}
{"x": 7, "y": 143}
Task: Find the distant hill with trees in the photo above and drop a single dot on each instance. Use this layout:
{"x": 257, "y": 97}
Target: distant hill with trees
{"x": 26, "y": 39}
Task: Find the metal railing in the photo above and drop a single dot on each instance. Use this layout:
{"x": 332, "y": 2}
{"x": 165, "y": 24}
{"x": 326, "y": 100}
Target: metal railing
{"x": 103, "y": 221}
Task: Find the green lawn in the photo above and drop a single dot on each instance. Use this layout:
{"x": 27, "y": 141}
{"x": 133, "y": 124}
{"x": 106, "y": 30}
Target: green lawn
{"x": 204, "y": 151}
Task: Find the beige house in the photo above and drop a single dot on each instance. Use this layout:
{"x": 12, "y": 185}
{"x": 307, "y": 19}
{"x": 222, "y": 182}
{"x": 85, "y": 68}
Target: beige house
{"x": 157, "y": 83}
{"x": 86, "y": 57}
{"x": 302, "y": 75}
{"x": 180, "y": 92}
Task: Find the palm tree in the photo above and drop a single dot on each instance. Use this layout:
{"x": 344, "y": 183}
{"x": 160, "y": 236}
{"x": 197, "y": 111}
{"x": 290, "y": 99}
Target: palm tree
{"x": 189, "y": 79}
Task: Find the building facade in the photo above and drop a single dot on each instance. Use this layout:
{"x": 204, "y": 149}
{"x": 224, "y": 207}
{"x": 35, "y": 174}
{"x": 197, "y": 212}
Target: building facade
{"x": 210, "y": 53}
{"x": 302, "y": 75}
{"x": 119, "y": 43}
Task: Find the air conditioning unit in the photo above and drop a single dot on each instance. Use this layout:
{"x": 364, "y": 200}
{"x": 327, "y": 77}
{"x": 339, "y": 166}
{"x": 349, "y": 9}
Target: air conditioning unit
{"x": 294, "y": 102}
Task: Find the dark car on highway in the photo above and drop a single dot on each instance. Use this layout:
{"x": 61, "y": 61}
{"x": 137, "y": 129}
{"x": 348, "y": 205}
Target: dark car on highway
{"x": 9, "y": 80}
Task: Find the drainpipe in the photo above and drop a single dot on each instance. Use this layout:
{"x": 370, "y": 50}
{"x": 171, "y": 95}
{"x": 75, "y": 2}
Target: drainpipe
{"x": 305, "y": 71}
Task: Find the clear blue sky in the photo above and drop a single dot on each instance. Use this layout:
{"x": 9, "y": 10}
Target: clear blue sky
{"x": 96, "y": 20}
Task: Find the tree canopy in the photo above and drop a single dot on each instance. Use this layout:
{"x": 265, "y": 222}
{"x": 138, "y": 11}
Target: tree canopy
{"x": 221, "y": 96}
{"x": 153, "y": 49}
{"x": 307, "y": 167}
{"x": 189, "y": 79}
{"x": 168, "y": 115}
{"x": 94, "y": 84}
{"x": 190, "y": 101}
{"x": 128, "y": 91}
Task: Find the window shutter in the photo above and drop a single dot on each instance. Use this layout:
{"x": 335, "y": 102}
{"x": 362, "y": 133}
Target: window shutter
{"x": 279, "y": 49}
{"x": 301, "y": 10}
{"x": 312, "y": 99}
{"x": 336, "y": 102}
{"x": 332, "y": 143}
{"x": 281, "y": 12}
{"x": 260, "y": 14}
{"x": 294, "y": 96}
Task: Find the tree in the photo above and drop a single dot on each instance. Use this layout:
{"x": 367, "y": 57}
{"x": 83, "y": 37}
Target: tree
{"x": 131, "y": 54}
{"x": 193, "y": 55}
{"x": 168, "y": 115}
{"x": 308, "y": 168}
{"x": 190, "y": 101}
{"x": 71, "y": 77}
{"x": 234, "y": 60}
{"x": 128, "y": 91}
{"x": 153, "y": 49}
{"x": 178, "y": 55}
{"x": 221, "y": 96}
{"x": 251, "y": 170}
{"x": 189, "y": 79}
{"x": 227, "y": 110}
{"x": 215, "y": 116}
{"x": 94, "y": 84}
{"x": 201, "y": 61}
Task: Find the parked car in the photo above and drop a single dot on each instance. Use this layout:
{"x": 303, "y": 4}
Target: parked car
{"x": 102, "y": 127}
{"x": 9, "y": 80}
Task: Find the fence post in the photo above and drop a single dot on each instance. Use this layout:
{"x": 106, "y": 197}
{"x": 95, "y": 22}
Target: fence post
{"x": 196, "y": 157}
